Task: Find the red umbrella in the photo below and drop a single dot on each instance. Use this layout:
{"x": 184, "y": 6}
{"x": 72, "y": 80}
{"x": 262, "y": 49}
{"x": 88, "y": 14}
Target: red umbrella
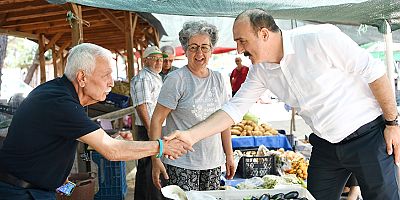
{"x": 179, "y": 50}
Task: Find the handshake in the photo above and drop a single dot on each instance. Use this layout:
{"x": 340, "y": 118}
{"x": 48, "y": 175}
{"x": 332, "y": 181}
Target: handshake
{"x": 173, "y": 146}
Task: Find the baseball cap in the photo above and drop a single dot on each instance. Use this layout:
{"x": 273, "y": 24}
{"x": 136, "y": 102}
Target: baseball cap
{"x": 153, "y": 50}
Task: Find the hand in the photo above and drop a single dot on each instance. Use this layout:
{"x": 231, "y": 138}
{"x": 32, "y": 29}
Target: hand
{"x": 230, "y": 166}
{"x": 181, "y": 135}
{"x": 126, "y": 134}
{"x": 175, "y": 148}
{"x": 158, "y": 169}
{"x": 392, "y": 138}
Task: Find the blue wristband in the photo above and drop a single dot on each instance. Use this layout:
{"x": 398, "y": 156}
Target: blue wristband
{"x": 161, "y": 144}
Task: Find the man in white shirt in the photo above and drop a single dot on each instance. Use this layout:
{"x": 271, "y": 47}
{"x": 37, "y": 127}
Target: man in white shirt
{"x": 338, "y": 89}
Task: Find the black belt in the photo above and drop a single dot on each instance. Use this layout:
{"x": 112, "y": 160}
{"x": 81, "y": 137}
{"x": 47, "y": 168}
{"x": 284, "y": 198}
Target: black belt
{"x": 12, "y": 180}
{"x": 363, "y": 130}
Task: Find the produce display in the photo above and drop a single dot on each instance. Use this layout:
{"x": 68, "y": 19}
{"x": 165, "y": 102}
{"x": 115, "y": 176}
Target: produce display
{"x": 251, "y": 128}
{"x": 293, "y": 195}
{"x": 289, "y": 162}
{"x": 295, "y": 164}
{"x": 269, "y": 182}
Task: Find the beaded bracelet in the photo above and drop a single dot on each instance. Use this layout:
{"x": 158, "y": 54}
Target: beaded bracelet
{"x": 161, "y": 144}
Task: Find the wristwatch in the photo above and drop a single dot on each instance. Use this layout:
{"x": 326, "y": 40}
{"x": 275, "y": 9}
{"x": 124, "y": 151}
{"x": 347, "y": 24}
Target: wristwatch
{"x": 394, "y": 122}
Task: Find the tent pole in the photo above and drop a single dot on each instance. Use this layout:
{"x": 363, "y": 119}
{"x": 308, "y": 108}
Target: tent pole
{"x": 389, "y": 55}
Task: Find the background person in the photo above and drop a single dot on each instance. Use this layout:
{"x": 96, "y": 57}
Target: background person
{"x": 145, "y": 88}
{"x": 238, "y": 75}
{"x": 341, "y": 92}
{"x": 40, "y": 147}
{"x": 189, "y": 95}
{"x": 167, "y": 63}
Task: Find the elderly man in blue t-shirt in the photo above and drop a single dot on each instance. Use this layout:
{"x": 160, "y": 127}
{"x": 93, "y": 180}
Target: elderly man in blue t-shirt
{"x": 39, "y": 150}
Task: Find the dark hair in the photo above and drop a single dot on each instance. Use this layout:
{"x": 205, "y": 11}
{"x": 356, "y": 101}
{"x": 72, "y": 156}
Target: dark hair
{"x": 259, "y": 18}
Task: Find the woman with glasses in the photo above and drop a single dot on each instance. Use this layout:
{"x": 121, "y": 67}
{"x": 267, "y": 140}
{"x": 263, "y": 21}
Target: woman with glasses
{"x": 188, "y": 96}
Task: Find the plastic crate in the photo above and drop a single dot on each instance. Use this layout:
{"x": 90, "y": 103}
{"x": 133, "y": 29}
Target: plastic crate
{"x": 256, "y": 166}
{"x": 118, "y": 100}
{"x": 111, "y": 177}
{"x": 290, "y": 138}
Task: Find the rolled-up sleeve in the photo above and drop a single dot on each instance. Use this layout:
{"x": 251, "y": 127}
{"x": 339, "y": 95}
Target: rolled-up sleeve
{"x": 247, "y": 95}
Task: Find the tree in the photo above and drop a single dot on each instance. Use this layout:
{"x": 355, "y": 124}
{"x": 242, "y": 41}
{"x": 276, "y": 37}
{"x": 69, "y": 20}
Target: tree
{"x": 32, "y": 68}
{"x": 3, "y": 48}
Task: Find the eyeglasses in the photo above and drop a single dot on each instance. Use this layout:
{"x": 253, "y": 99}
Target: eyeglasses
{"x": 205, "y": 48}
{"x": 168, "y": 60}
{"x": 155, "y": 58}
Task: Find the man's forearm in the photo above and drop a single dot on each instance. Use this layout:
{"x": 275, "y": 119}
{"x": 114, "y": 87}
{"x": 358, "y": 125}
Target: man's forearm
{"x": 382, "y": 90}
{"x": 215, "y": 123}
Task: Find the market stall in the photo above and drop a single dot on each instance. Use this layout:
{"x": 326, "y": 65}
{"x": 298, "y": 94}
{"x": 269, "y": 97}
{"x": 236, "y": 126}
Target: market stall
{"x": 275, "y": 142}
{"x": 266, "y": 164}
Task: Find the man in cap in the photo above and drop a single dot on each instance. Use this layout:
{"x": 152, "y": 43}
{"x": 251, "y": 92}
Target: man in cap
{"x": 167, "y": 64}
{"x": 145, "y": 87}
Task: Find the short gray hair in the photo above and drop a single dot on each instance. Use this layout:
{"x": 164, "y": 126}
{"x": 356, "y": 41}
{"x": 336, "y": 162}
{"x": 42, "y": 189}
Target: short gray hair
{"x": 83, "y": 57}
{"x": 193, "y": 28}
{"x": 168, "y": 50}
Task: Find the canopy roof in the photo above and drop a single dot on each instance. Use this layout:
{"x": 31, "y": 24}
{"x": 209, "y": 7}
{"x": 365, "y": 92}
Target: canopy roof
{"x": 354, "y": 12}
{"x": 102, "y": 26}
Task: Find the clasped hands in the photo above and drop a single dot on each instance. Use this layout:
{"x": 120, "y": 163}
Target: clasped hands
{"x": 176, "y": 145}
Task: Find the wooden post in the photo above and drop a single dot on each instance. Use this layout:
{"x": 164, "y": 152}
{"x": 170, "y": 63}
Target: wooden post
{"x": 293, "y": 121}
{"x": 62, "y": 61}
{"x": 129, "y": 43}
{"x": 61, "y": 55}
{"x": 42, "y": 61}
{"x": 54, "y": 55}
{"x": 77, "y": 28}
{"x": 156, "y": 37}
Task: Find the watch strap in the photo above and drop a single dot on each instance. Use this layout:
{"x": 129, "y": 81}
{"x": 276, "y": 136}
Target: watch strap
{"x": 394, "y": 122}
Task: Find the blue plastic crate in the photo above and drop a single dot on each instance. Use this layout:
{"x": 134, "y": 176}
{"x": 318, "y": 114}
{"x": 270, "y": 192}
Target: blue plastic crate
{"x": 112, "y": 178}
{"x": 118, "y": 100}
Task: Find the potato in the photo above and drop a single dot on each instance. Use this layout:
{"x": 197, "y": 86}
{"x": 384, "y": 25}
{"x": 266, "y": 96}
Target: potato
{"x": 237, "y": 128}
{"x": 235, "y": 132}
{"x": 248, "y": 127}
{"x": 257, "y": 133}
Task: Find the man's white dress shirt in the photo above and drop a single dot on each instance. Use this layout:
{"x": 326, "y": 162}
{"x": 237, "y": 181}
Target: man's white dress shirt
{"x": 324, "y": 75}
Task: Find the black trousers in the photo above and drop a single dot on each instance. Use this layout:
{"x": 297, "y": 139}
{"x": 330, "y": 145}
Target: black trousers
{"x": 11, "y": 192}
{"x": 144, "y": 187}
{"x": 363, "y": 155}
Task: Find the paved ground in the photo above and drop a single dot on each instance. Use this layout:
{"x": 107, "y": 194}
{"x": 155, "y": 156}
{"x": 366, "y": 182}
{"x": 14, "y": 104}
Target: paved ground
{"x": 274, "y": 114}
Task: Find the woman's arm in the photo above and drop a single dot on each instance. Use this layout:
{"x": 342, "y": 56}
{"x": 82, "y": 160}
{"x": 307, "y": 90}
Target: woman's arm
{"x": 227, "y": 145}
{"x": 159, "y": 115}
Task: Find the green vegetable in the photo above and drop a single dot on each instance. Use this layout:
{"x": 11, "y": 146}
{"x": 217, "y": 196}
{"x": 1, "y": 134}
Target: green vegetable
{"x": 252, "y": 117}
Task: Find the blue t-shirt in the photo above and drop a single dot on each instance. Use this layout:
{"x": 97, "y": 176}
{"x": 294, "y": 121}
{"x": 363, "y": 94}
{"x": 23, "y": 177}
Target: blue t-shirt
{"x": 41, "y": 142}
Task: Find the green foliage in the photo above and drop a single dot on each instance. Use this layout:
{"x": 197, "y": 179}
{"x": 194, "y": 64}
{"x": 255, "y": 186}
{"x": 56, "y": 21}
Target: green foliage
{"x": 20, "y": 52}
